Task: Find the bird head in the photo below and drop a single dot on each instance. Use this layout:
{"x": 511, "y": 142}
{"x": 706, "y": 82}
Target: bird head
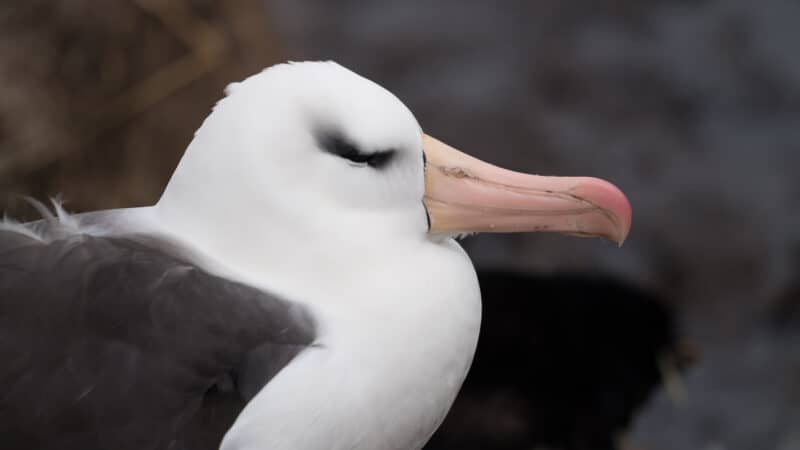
{"x": 314, "y": 144}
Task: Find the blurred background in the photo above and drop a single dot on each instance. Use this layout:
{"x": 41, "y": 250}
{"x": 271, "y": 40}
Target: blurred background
{"x": 688, "y": 337}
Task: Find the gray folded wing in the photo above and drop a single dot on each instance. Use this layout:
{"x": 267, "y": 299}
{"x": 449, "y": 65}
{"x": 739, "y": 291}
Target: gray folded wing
{"x": 115, "y": 343}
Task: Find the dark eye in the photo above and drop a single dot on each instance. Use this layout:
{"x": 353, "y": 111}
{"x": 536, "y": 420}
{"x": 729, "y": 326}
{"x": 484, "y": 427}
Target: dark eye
{"x": 339, "y": 146}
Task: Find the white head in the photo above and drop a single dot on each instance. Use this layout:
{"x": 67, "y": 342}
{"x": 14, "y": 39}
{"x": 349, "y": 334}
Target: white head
{"x": 313, "y": 151}
{"x": 307, "y": 144}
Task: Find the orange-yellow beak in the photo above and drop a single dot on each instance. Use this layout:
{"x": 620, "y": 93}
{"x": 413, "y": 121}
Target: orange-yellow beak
{"x": 464, "y": 195}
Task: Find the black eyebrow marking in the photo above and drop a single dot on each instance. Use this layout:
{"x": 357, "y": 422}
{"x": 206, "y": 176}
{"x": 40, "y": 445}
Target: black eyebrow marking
{"x": 336, "y": 144}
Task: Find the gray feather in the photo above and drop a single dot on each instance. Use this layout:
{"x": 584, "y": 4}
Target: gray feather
{"x": 116, "y": 342}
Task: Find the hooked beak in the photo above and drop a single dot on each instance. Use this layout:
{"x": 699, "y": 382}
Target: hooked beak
{"x": 466, "y": 195}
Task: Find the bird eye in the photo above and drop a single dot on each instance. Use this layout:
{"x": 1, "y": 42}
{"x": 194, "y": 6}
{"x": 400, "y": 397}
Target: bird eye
{"x": 379, "y": 159}
{"x": 343, "y": 148}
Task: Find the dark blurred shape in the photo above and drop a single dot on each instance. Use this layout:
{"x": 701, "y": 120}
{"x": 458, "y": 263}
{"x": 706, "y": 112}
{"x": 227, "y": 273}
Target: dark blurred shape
{"x": 563, "y": 361}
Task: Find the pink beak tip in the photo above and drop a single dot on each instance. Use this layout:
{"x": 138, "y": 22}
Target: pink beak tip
{"x": 611, "y": 201}
{"x": 617, "y": 204}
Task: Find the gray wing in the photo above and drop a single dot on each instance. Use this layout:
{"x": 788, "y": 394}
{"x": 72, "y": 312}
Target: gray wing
{"x": 114, "y": 343}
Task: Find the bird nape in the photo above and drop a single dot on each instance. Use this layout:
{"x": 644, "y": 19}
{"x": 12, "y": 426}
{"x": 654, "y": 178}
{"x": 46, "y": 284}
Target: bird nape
{"x": 296, "y": 286}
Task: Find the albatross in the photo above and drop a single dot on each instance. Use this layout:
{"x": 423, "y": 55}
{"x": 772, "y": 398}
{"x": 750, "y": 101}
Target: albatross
{"x": 298, "y": 285}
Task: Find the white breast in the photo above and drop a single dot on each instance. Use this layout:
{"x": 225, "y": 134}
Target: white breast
{"x": 394, "y": 348}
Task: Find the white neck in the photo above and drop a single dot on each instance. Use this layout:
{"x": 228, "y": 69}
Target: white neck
{"x": 396, "y": 336}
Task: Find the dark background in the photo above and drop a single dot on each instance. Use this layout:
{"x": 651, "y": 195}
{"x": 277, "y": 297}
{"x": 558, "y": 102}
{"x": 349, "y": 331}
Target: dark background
{"x": 692, "y": 107}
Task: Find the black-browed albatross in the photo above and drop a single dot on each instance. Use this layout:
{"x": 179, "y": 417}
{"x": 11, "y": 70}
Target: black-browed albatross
{"x": 297, "y": 285}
